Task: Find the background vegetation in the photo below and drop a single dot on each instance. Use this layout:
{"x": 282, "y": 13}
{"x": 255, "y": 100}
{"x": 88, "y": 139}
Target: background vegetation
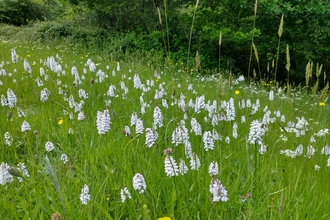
{"x": 135, "y": 25}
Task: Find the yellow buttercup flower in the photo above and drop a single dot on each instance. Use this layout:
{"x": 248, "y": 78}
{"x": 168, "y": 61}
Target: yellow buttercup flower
{"x": 60, "y": 121}
{"x": 322, "y": 104}
{"x": 164, "y": 218}
{"x": 237, "y": 92}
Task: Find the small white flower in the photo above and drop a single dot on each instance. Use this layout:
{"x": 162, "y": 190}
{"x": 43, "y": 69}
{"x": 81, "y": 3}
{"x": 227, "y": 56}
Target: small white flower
{"x": 124, "y": 194}
{"x": 213, "y": 168}
{"x": 171, "y": 167}
{"x": 49, "y": 146}
{"x": 5, "y": 176}
{"x": 218, "y": 191}
{"x": 317, "y": 167}
{"x": 81, "y": 116}
{"x": 25, "y": 126}
{"x": 85, "y": 196}
{"x": 64, "y": 158}
{"x": 183, "y": 169}
{"x": 262, "y": 149}
{"x": 22, "y": 168}
{"x": 139, "y": 183}
{"x": 8, "y": 139}
{"x": 194, "y": 162}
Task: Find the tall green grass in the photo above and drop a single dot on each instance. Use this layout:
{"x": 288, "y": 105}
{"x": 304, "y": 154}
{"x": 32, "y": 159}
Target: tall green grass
{"x": 260, "y": 186}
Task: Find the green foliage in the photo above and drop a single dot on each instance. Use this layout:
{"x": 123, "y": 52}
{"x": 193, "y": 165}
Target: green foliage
{"x": 136, "y": 25}
{"x": 21, "y": 12}
{"x": 260, "y": 186}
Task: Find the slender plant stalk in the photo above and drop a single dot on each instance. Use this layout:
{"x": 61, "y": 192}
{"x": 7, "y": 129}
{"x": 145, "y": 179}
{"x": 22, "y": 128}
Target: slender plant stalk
{"x": 163, "y": 34}
{"x": 252, "y": 43}
{"x": 288, "y": 64}
{"x": 280, "y": 31}
{"x": 191, "y": 29}
{"x": 257, "y": 58}
{"x": 167, "y": 30}
{"x": 220, "y": 42}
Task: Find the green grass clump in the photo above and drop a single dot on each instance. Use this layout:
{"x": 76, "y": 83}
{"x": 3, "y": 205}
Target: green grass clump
{"x": 269, "y": 178}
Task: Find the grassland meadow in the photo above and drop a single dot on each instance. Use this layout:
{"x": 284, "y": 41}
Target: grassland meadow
{"x": 86, "y": 136}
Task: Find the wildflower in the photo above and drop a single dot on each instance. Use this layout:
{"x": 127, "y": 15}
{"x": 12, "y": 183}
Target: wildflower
{"x": 158, "y": 118}
{"x": 243, "y": 120}
{"x": 23, "y": 170}
{"x": 328, "y": 162}
{"x": 60, "y": 121}
{"x": 139, "y": 183}
{"x": 49, "y": 146}
{"x": 256, "y": 132}
{"x": 322, "y": 132}
{"x": 179, "y": 135}
{"x": 81, "y": 116}
{"x": 4, "y": 100}
{"x": 82, "y": 94}
{"x": 213, "y": 168}
{"x": 199, "y": 104}
{"x": 262, "y": 149}
{"x": 325, "y": 150}
{"x": 5, "y": 176}
{"x": 151, "y": 137}
{"x": 111, "y": 91}
{"x": 137, "y": 82}
{"x": 85, "y": 196}
{"x": 44, "y": 94}
{"x": 183, "y": 169}
{"x": 133, "y": 118}
{"x": 271, "y": 95}
{"x": 196, "y": 127}
{"x": 194, "y": 162}
{"x": 14, "y": 57}
{"x": 215, "y": 120}
{"x": 317, "y": 167}
{"x": 20, "y": 113}
{"x": 8, "y": 139}
{"x": 231, "y": 115}
{"x": 103, "y": 121}
{"x": 25, "y": 126}
{"x": 171, "y": 167}
{"x": 164, "y": 103}
{"x": 218, "y": 191}
{"x": 11, "y": 98}
{"x": 124, "y": 194}
{"x": 27, "y": 66}
{"x": 322, "y": 104}
{"x": 64, "y": 158}
{"x": 187, "y": 149}
{"x": 126, "y": 131}
{"x": 139, "y": 126}
{"x": 235, "y": 127}
{"x": 310, "y": 151}
{"x": 118, "y": 66}
{"x": 236, "y": 92}
{"x": 208, "y": 141}
{"x": 164, "y": 218}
